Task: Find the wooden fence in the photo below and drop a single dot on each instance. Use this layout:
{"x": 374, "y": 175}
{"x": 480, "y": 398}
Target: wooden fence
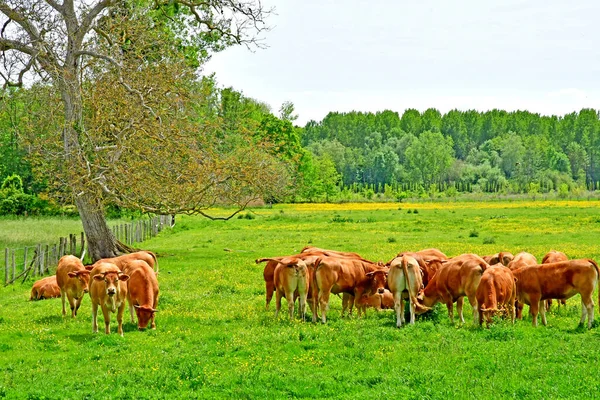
{"x": 40, "y": 259}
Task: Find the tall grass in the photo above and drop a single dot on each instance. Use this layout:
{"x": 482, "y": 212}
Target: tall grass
{"x": 214, "y": 338}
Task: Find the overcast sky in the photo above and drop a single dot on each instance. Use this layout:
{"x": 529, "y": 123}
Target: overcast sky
{"x": 371, "y": 55}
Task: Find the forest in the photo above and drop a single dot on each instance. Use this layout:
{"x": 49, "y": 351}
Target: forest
{"x": 355, "y": 155}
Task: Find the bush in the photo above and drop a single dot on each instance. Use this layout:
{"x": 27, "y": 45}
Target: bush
{"x": 473, "y": 233}
{"x": 489, "y": 240}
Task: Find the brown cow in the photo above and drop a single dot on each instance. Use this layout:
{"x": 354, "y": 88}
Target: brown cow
{"x": 377, "y": 301}
{"x": 73, "y": 280}
{"x": 405, "y": 276}
{"x": 291, "y": 275}
{"x": 108, "y": 290}
{"x": 45, "y": 288}
{"x": 560, "y": 280}
{"x": 551, "y": 257}
{"x": 337, "y": 275}
{"x": 522, "y": 259}
{"x": 147, "y": 256}
{"x": 504, "y": 258}
{"x": 496, "y": 288}
{"x": 375, "y": 282}
{"x": 426, "y": 254}
{"x": 459, "y": 277}
{"x": 142, "y": 292}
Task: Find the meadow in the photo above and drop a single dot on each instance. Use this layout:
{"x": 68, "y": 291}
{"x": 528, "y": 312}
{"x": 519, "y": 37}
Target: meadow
{"x": 214, "y": 338}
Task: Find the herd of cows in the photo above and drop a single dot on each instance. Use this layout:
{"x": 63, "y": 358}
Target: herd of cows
{"x": 109, "y": 282}
{"x": 499, "y": 283}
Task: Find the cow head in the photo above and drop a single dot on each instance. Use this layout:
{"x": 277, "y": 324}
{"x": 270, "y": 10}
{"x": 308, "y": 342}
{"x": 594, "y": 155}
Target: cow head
{"x": 144, "y": 314}
{"x": 111, "y": 281}
{"x": 83, "y": 276}
{"x": 377, "y": 280}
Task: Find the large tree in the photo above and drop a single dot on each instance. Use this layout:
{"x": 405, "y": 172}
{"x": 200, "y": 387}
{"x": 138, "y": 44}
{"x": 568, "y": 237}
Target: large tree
{"x": 128, "y": 125}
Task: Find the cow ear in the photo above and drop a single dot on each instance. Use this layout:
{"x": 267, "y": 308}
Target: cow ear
{"x": 72, "y": 274}
{"x": 98, "y": 277}
{"x": 136, "y": 306}
{"x": 123, "y": 277}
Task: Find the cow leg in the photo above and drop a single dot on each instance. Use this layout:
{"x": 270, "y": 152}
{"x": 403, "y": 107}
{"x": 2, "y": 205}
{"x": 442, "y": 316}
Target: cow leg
{"x": 270, "y": 286}
{"x": 549, "y": 304}
{"x": 398, "y": 308}
{"x": 120, "y": 318}
{"x": 412, "y": 312}
{"x": 534, "y": 305}
{"x": 542, "y": 308}
{"x": 459, "y": 308}
{"x": 78, "y": 304}
{"x": 473, "y": 302}
{"x": 72, "y": 305}
{"x": 324, "y": 303}
{"x": 303, "y": 306}
{"x": 278, "y": 296}
{"x": 106, "y": 315}
{"x": 288, "y": 295}
{"x": 94, "y": 318}
{"x": 62, "y": 296}
{"x": 512, "y": 312}
{"x": 347, "y": 301}
{"x": 132, "y": 311}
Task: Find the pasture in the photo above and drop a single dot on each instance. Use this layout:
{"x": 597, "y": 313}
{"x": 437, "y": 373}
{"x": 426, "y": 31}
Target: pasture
{"x": 214, "y": 338}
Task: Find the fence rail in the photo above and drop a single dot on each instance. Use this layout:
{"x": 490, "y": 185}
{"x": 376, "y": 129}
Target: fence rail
{"x": 39, "y": 259}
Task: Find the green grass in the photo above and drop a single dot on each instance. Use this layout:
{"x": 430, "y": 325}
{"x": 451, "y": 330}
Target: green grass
{"x": 214, "y": 338}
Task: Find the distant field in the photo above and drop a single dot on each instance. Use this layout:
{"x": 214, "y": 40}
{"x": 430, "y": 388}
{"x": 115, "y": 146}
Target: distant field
{"x": 214, "y": 338}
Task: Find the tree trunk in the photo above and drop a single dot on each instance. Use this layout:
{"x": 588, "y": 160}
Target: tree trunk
{"x": 101, "y": 241}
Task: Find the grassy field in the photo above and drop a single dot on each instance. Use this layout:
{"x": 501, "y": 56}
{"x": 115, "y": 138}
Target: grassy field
{"x": 214, "y": 338}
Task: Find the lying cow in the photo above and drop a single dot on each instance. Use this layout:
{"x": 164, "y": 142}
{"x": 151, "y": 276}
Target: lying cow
{"x": 108, "y": 290}
{"x": 45, "y": 288}
{"x": 147, "y": 256}
{"x": 560, "y": 280}
{"x": 374, "y": 283}
{"x": 551, "y": 257}
{"x": 496, "y": 289}
{"x": 73, "y": 280}
{"x": 404, "y": 280}
{"x": 142, "y": 292}
{"x": 458, "y": 277}
{"x": 384, "y": 301}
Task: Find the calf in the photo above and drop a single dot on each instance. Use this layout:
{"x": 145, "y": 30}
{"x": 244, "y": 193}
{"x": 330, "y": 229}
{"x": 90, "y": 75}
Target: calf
{"x": 142, "y": 292}
{"x": 147, "y": 256}
{"x": 459, "y": 277}
{"x": 560, "y": 280}
{"x": 109, "y": 291}
{"x": 45, "y": 288}
{"x": 496, "y": 288}
{"x": 551, "y": 257}
{"x": 73, "y": 280}
{"x": 377, "y": 301}
{"x": 405, "y": 277}
{"x": 374, "y": 283}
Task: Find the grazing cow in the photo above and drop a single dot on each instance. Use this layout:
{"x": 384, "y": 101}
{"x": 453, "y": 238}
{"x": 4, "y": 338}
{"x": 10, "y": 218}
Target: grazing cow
{"x": 377, "y": 301}
{"x": 504, "y": 258}
{"x": 337, "y": 275}
{"x": 142, "y": 292}
{"x": 108, "y": 290}
{"x": 291, "y": 276}
{"x": 405, "y": 276}
{"x": 73, "y": 280}
{"x": 147, "y": 256}
{"x": 459, "y": 277}
{"x": 551, "y": 257}
{"x": 560, "y": 280}
{"x": 45, "y": 288}
{"x": 522, "y": 259}
{"x": 308, "y": 251}
{"x": 497, "y": 288}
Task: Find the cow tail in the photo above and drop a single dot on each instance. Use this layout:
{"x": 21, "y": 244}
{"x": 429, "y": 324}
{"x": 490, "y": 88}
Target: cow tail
{"x": 155, "y": 260}
{"x": 413, "y": 297}
{"x": 595, "y": 264}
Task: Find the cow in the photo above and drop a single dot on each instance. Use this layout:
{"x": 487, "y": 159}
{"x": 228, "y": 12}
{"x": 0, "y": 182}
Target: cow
{"x": 560, "y": 280}
{"x": 425, "y": 258}
{"x": 108, "y": 290}
{"x": 497, "y": 288}
{"x": 459, "y": 277}
{"x": 375, "y": 283}
{"x": 142, "y": 292}
{"x": 291, "y": 275}
{"x": 147, "y": 256}
{"x": 337, "y": 275}
{"x": 405, "y": 276}
{"x": 503, "y": 257}
{"x": 522, "y": 259}
{"x": 73, "y": 280}
{"x": 45, "y": 288}
{"x": 377, "y": 301}
{"x": 308, "y": 251}
{"x": 551, "y": 257}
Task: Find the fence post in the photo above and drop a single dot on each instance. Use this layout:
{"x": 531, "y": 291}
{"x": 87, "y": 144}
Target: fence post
{"x": 13, "y": 266}
{"x": 25, "y": 258}
{"x": 47, "y": 259}
{"x": 82, "y": 242}
{"x": 6, "y": 250}
{"x": 36, "y": 264}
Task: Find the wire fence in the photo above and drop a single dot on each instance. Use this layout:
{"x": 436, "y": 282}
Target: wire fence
{"x": 42, "y": 258}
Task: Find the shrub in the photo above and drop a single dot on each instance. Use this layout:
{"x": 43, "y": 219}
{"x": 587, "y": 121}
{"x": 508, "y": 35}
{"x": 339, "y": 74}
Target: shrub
{"x": 489, "y": 240}
{"x": 473, "y": 233}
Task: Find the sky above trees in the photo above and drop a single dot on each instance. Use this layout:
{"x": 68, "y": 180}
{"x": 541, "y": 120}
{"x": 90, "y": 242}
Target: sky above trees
{"x": 374, "y": 55}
